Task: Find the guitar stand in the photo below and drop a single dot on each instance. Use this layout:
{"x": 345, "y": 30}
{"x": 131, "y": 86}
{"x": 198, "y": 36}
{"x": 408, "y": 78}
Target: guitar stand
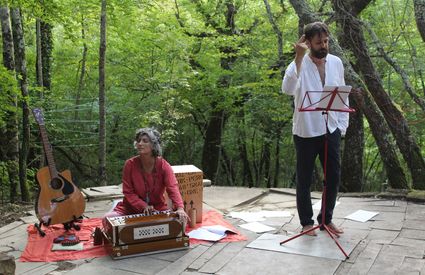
{"x": 40, "y": 231}
{"x": 67, "y": 226}
{"x": 70, "y": 225}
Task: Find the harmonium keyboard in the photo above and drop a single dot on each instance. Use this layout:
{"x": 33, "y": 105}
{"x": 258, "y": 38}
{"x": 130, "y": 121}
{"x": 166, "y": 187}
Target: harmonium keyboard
{"x": 133, "y": 235}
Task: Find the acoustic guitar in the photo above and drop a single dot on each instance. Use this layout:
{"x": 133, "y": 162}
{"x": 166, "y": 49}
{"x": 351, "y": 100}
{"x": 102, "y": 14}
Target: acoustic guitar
{"x": 59, "y": 200}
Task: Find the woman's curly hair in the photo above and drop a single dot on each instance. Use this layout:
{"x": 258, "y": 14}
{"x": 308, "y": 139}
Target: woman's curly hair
{"x": 154, "y": 137}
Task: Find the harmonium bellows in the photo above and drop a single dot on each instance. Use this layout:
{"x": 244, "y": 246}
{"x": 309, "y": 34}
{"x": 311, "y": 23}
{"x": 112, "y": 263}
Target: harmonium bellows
{"x": 140, "y": 234}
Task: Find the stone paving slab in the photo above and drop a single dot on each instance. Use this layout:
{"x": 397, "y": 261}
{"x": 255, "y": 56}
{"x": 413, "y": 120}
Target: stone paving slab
{"x": 415, "y": 211}
{"x": 291, "y": 191}
{"x": 356, "y": 224}
{"x": 223, "y": 198}
{"x": 205, "y": 257}
{"x": 10, "y": 226}
{"x": 29, "y": 268}
{"x": 135, "y": 265}
{"x": 392, "y": 243}
{"x": 412, "y": 266}
{"x": 390, "y": 260}
{"x": 181, "y": 264}
{"x": 413, "y": 234}
{"x": 31, "y": 219}
{"x": 402, "y": 241}
{"x": 254, "y": 261}
{"x": 382, "y": 236}
{"x": 387, "y": 225}
{"x": 319, "y": 246}
{"x": 366, "y": 258}
{"x": 414, "y": 224}
{"x": 222, "y": 259}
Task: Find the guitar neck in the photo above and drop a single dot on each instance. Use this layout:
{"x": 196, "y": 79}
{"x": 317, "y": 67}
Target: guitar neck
{"x": 49, "y": 152}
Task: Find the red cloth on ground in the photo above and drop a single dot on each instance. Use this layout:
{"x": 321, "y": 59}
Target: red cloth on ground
{"x": 214, "y": 218}
{"x": 38, "y": 248}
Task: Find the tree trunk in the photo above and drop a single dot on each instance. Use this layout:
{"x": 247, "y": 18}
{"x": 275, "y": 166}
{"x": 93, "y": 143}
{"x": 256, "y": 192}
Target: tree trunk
{"x": 352, "y": 158}
{"x": 277, "y": 159}
{"x": 39, "y": 62}
{"x": 9, "y": 135}
{"x": 215, "y": 127}
{"x": 226, "y": 163}
{"x": 21, "y": 71}
{"x": 266, "y": 161}
{"x": 419, "y": 6}
{"x": 102, "y": 97}
{"x": 212, "y": 144}
{"x": 46, "y": 52}
{"x": 39, "y": 76}
{"x": 83, "y": 69}
{"x": 410, "y": 150}
{"x": 278, "y": 33}
{"x": 381, "y": 133}
{"x": 377, "y": 124}
{"x": 243, "y": 153}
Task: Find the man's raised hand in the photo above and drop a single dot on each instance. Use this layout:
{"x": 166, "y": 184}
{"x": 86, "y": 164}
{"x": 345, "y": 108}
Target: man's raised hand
{"x": 301, "y": 46}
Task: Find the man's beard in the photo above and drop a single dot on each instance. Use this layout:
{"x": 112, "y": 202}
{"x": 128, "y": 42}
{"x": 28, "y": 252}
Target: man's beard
{"x": 323, "y": 52}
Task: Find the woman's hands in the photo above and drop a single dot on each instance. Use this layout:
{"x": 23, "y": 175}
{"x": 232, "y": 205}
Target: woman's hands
{"x": 184, "y": 218}
{"x": 148, "y": 210}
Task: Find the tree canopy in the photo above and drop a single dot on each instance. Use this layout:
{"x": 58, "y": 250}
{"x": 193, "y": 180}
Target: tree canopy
{"x": 208, "y": 75}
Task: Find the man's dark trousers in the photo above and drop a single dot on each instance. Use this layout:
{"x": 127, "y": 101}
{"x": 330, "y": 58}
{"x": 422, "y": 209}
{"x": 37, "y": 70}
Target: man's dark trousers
{"x": 307, "y": 150}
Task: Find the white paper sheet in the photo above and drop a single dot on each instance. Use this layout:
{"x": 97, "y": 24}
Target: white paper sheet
{"x": 257, "y": 227}
{"x": 275, "y": 214}
{"x": 318, "y": 205}
{"x": 258, "y": 216}
{"x": 58, "y": 246}
{"x": 204, "y": 234}
{"x": 362, "y": 215}
{"x": 218, "y": 229}
{"x": 339, "y": 101}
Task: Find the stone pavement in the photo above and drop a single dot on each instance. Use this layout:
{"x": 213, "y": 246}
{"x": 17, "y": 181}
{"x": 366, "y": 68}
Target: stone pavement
{"x": 393, "y": 242}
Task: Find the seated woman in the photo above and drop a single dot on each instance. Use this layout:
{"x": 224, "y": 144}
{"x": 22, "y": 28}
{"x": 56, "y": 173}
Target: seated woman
{"x": 145, "y": 178}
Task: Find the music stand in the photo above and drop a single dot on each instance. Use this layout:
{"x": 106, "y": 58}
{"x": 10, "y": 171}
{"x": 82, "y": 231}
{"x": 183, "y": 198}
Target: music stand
{"x": 332, "y": 99}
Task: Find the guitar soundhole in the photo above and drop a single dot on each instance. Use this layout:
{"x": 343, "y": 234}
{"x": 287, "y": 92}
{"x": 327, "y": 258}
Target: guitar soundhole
{"x": 56, "y": 183}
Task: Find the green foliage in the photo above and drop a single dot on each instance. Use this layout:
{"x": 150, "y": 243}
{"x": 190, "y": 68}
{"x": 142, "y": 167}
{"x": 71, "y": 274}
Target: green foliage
{"x": 164, "y": 68}
{"x": 8, "y": 94}
{"x": 4, "y": 179}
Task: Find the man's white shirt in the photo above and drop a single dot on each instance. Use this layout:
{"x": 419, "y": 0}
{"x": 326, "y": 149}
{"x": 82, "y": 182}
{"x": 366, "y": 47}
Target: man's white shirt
{"x": 312, "y": 123}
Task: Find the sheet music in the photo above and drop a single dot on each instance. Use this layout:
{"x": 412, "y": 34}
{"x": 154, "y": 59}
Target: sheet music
{"x": 340, "y": 99}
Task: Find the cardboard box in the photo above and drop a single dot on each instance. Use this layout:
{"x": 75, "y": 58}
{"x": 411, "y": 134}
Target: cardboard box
{"x": 191, "y": 188}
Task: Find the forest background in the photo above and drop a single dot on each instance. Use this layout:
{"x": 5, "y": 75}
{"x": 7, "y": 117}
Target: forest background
{"x": 207, "y": 74}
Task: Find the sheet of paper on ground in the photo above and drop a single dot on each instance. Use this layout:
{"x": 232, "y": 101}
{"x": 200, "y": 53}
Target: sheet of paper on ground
{"x": 258, "y": 216}
{"x": 210, "y": 233}
{"x": 257, "y": 227}
{"x": 362, "y": 215}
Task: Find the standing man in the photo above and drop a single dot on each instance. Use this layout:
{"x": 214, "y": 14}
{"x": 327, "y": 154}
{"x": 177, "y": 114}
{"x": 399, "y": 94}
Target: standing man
{"x": 312, "y": 69}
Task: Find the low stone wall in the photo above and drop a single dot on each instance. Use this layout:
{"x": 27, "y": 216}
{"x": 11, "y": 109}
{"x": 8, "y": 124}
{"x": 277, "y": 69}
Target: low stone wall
{"x": 7, "y": 264}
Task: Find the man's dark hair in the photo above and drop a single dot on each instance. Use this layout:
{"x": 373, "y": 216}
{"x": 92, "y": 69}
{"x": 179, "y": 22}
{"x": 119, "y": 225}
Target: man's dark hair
{"x": 310, "y": 30}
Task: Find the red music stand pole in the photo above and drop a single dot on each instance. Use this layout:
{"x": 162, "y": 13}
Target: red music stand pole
{"x": 333, "y": 94}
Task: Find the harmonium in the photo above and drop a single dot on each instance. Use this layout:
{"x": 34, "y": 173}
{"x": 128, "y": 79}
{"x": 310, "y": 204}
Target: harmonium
{"x": 133, "y": 235}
